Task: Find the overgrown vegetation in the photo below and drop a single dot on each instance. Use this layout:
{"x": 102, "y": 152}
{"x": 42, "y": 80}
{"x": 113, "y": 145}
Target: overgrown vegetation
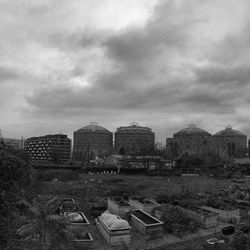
{"x": 15, "y": 178}
{"x": 216, "y": 201}
{"x": 42, "y": 227}
{"x": 59, "y": 175}
{"x": 176, "y": 221}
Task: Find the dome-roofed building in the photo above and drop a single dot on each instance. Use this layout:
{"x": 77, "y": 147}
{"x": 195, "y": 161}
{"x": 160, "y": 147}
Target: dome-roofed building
{"x": 192, "y": 130}
{"x": 134, "y": 139}
{"x": 92, "y": 140}
{"x": 192, "y": 140}
{"x": 230, "y": 143}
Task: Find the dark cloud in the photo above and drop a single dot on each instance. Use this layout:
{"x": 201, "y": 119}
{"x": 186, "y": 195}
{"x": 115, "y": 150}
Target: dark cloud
{"x": 7, "y": 74}
{"x": 166, "y": 72}
{"x": 166, "y": 30}
{"x": 221, "y": 74}
{"x": 139, "y": 56}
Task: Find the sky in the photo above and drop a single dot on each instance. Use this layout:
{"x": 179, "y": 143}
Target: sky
{"x": 162, "y": 63}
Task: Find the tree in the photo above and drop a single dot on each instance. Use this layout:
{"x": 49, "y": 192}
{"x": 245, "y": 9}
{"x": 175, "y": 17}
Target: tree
{"x": 15, "y": 177}
{"x": 55, "y": 155}
{"x": 239, "y": 241}
{"x": 122, "y": 151}
{"x": 44, "y": 230}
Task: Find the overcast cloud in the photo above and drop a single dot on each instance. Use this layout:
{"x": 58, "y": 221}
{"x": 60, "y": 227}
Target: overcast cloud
{"x": 162, "y": 63}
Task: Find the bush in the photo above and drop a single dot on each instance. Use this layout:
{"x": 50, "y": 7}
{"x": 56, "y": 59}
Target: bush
{"x": 176, "y": 221}
{"x": 216, "y": 202}
{"x": 114, "y": 181}
{"x": 158, "y": 173}
{"x": 62, "y": 175}
{"x": 163, "y": 198}
{"x": 239, "y": 241}
{"x": 120, "y": 190}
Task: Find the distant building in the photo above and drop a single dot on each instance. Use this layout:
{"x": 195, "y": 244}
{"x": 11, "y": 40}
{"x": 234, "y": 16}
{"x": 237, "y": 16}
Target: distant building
{"x": 191, "y": 140}
{"x": 92, "y": 140}
{"x": 134, "y": 139}
{"x": 55, "y": 148}
{"x": 249, "y": 148}
{"x": 230, "y": 143}
{"x": 172, "y": 149}
{"x": 14, "y": 143}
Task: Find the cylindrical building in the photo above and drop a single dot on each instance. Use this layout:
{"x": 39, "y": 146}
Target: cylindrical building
{"x": 230, "y": 143}
{"x": 192, "y": 140}
{"x": 92, "y": 140}
{"x": 134, "y": 139}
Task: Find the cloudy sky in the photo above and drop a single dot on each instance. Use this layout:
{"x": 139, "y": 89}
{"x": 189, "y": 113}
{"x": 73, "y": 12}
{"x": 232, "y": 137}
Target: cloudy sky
{"x": 162, "y": 63}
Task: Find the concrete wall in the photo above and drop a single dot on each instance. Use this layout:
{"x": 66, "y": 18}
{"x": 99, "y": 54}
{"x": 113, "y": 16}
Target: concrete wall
{"x": 144, "y": 207}
{"x": 121, "y": 211}
{"x": 205, "y": 221}
{"x": 231, "y": 216}
{"x": 152, "y": 231}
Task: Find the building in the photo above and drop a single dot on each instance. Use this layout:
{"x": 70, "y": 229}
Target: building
{"x": 172, "y": 149}
{"x": 191, "y": 140}
{"x": 16, "y": 144}
{"x": 230, "y": 143}
{"x": 55, "y": 148}
{"x": 134, "y": 139}
{"x": 92, "y": 140}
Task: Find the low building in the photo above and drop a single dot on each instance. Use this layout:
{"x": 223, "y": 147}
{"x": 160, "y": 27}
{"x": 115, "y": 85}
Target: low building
{"x": 55, "y": 148}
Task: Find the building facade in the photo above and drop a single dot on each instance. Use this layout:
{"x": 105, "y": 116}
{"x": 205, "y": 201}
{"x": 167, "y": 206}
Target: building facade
{"x": 172, "y": 149}
{"x": 90, "y": 141}
{"x": 55, "y": 148}
{"x": 134, "y": 139}
{"x": 191, "y": 140}
{"x": 230, "y": 143}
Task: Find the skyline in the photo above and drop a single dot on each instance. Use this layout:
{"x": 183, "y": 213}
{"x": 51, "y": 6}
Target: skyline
{"x": 157, "y": 141}
{"x": 165, "y": 64}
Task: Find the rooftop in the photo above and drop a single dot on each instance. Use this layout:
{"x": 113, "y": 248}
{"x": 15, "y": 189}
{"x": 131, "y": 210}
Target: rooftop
{"x": 192, "y": 129}
{"x": 229, "y": 131}
{"x": 134, "y": 127}
{"x": 93, "y": 127}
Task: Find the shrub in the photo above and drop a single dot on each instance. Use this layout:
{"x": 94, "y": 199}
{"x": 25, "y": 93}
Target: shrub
{"x": 62, "y": 175}
{"x": 176, "y": 221}
{"x": 114, "y": 181}
{"x": 163, "y": 198}
{"x": 120, "y": 190}
{"x": 239, "y": 241}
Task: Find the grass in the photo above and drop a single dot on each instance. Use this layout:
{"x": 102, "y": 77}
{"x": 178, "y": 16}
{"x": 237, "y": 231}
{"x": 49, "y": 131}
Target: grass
{"x": 75, "y": 184}
{"x": 84, "y": 187}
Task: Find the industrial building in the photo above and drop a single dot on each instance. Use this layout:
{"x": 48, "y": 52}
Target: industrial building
{"x": 92, "y": 140}
{"x": 134, "y": 139}
{"x": 230, "y": 143}
{"x": 227, "y": 143}
{"x": 191, "y": 140}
